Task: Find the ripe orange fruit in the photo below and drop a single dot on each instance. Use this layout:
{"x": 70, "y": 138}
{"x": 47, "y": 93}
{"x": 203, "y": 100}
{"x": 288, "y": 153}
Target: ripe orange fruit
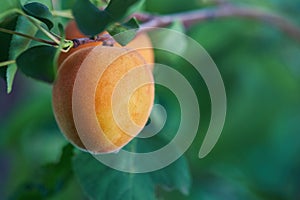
{"x": 102, "y": 97}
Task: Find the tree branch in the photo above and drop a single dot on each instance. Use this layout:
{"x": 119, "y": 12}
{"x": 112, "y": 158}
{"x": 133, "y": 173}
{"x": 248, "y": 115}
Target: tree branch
{"x": 222, "y": 11}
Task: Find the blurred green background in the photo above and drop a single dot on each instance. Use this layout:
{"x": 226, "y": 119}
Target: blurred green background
{"x": 257, "y": 156}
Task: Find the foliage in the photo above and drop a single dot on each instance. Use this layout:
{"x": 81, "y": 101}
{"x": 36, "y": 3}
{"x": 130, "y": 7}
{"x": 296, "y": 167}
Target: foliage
{"x": 49, "y": 179}
{"x": 29, "y": 62}
{"x": 102, "y": 182}
{"x": 84, "y": 12}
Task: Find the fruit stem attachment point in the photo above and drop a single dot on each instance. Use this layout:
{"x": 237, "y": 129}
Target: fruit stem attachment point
{"x": 67, "y": 45}
{"x": 107, "y": 40}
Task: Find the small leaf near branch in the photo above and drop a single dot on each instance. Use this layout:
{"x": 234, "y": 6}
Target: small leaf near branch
{"x": 124, "y": 33}
{"x": 40, "y": 12}
{"x": 48, "y": 180}
{"x": 118, "y": 8}
{"x": 18, "y": 44}
{"x": 92, "y": 21}
{"x": 5, "y": 39}
{"x": 37, "y": 63}
{"x": 7, "y": 6}
{"x": 101, "y": 182}
{"x": 175, "y": 176}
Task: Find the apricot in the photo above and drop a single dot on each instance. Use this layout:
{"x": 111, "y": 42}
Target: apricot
{"x": 102, "y": 97}
{"x": 140, "y": 43}
{"x": 72, "y": 31}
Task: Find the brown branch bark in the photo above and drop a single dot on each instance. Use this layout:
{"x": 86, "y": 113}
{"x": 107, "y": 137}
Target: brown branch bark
{"x": 105, "y": 38}
{"x": 222, "y": 11}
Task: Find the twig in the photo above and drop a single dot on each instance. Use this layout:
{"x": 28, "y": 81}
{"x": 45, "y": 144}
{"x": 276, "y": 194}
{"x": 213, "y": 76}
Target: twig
{"x": 26, "y": 36}
{"x": 223, "y": 11}
{"x": 38, "y": 25}
{"x": 189, "y": 18}
{"x": 5, "y": 63}
{"x": 142, "y": 17}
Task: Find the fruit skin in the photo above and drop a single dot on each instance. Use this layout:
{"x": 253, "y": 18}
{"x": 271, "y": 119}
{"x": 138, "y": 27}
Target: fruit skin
{"x": 140, "y": 43}
{"x": 62, "y": 95}
{"x": 72, "y": 31}
{"x": 90, "y": 76}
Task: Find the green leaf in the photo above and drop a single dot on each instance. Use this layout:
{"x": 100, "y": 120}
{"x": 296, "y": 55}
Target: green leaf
{"x": 137, "y": 7}
{"x": 90, "y": 20}
{"x": 48, "y": 3}
{"x": 37, "y": 62}
{"x": 117, "y": 9}
{"x": 7, "y": 5}
{"x": 124, "y": 33}
{"x": 67, "y": 4}
{"x": 10, "y": 76}
{"x": 174, "y": 176}
{"x": 40, "y": 12}
{"x": 48, "y": 180}
{"x": 8, "y": 9}
{"x": 19, "y": 44}
{"x": 9, "y": 23}
{"x": 7, "y": 20}
{"x": 101, "y": 182}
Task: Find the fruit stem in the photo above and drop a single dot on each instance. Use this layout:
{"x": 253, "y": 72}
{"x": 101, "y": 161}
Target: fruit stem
{"x": 5, "y": 63}
{"x": 26, "y": 36}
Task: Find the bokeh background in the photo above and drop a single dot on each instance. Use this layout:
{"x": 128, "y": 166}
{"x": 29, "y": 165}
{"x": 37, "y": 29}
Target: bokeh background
{"x": 257, "y": 156}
